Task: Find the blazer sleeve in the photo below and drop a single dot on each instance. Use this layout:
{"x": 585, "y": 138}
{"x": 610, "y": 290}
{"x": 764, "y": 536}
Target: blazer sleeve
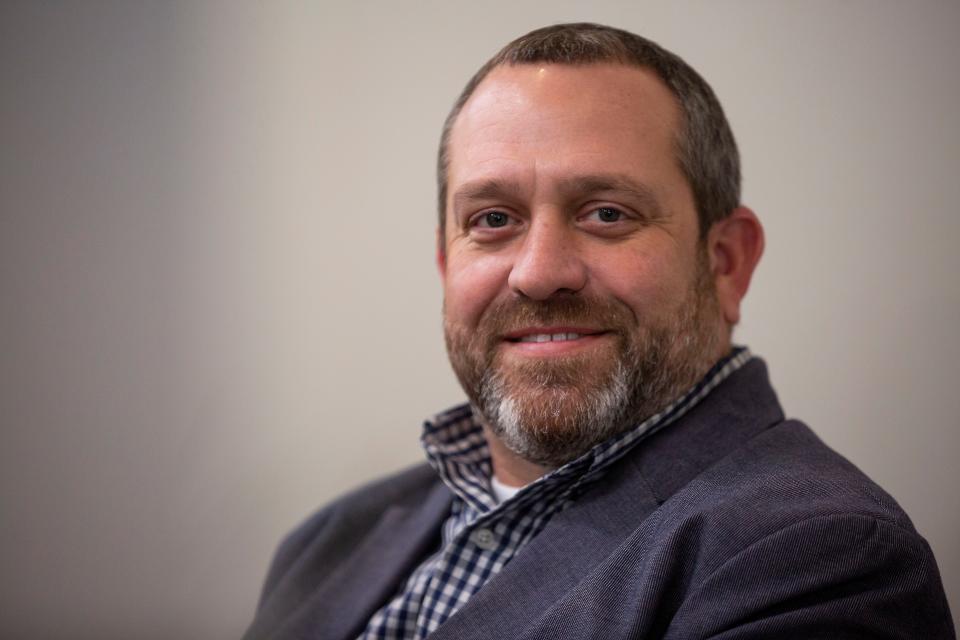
{"x": 836, "y": 576}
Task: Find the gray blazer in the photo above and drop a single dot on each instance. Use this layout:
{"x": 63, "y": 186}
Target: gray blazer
{"x": 731, "y": 523}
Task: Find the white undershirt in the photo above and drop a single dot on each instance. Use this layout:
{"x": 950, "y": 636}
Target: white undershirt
{"x": 502, "y": 492}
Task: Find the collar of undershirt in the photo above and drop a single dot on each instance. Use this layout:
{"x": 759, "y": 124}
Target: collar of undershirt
{"x": 458, "y": 451}
{"x": 502, "y": 492}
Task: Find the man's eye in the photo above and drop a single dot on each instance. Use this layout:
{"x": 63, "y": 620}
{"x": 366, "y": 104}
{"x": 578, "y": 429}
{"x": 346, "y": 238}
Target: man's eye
{"x": 608, "y": 214}
{"x": 493, "y": 219}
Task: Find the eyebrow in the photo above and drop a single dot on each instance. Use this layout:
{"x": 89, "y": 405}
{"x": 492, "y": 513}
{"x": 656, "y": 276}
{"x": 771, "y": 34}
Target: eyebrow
{"x": 572, "y": 188}
{"x": 491, "y": 189}
{"x": 640, "y": 193}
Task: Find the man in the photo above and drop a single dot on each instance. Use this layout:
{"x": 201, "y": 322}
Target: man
{"x": 621, "y": 470}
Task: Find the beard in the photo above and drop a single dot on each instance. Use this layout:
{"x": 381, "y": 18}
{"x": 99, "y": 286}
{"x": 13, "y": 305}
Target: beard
{"x": 550, "y": 411}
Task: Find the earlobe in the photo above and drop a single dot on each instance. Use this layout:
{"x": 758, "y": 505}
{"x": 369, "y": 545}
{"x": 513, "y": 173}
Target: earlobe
{"x": 735, "y": 245}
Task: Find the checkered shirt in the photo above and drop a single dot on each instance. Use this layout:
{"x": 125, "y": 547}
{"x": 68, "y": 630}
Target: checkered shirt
{"x": 480, "y": 536}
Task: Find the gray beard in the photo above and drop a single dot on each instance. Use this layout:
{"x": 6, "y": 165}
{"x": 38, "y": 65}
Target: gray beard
{"x": 559, "y": 425}
{"x": 550, "y": 413}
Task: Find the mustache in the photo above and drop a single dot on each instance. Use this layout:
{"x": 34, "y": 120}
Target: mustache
{"x": 574, "y": 310}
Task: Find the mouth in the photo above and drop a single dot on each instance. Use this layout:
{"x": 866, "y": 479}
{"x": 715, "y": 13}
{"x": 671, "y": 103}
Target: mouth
{"x": 551, "y": 334}
{"x": 549, "y": 337}
{"x": 549, "y": 340}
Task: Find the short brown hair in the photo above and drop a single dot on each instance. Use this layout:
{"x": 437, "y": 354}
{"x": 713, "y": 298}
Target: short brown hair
{"x": 706, "y": 150}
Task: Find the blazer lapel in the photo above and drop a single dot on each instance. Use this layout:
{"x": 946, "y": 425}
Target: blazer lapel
{"x": 342, "y": 605}
{"x": 743, "y": 406}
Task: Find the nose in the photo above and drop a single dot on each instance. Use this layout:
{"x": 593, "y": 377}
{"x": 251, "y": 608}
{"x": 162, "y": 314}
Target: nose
{"x": 548, "y": 262}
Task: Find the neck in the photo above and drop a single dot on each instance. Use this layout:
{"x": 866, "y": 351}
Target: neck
{"x": 508, "y": 467}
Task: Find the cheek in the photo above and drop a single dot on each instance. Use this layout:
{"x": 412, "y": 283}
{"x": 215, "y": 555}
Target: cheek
{"x": 646, "y": 281}
{"x": 471, "y": 285}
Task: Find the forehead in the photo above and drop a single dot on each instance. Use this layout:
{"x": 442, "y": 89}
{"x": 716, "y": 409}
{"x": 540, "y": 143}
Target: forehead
{"x": 541, "y": 120}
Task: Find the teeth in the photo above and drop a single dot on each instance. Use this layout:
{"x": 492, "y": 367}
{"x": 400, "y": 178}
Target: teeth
{"x": 547, "y": 337}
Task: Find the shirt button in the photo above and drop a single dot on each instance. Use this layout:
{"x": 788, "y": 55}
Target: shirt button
{"x": 484, "y": 539}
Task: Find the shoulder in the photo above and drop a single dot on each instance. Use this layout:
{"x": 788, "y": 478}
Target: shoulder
{"x": 781, "y": 478}
{"x": 785, "y": 525}
{"x": 790, "y": 474}
{"x": 368, "y": 500}
{"x": 337, "y": 526}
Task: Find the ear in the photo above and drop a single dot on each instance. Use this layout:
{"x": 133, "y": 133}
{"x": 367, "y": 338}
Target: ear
{"x": 734, "y": 246}
{"x": 441, "y": 254}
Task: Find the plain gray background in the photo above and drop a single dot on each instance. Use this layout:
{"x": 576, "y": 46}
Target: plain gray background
{"x": 219, "y": 304}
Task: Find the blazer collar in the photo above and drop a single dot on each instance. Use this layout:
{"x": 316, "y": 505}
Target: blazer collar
{"x": 741, "y": 407}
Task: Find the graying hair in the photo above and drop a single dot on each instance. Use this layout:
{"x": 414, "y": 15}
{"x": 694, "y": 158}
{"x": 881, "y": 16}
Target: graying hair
{"x": 706, "y": 150}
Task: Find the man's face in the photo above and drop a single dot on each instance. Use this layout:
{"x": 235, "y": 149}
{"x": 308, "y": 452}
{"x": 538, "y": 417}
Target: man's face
{"x": 578, "y": 298}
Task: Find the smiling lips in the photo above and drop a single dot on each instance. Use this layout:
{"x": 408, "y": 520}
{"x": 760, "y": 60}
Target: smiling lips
{"x": 550, "y": 337}
{"x": 545, "y": 341}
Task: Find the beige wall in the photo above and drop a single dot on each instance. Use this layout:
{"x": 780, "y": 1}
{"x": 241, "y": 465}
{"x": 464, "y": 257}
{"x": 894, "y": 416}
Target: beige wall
{"x": 219, "y": 307}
